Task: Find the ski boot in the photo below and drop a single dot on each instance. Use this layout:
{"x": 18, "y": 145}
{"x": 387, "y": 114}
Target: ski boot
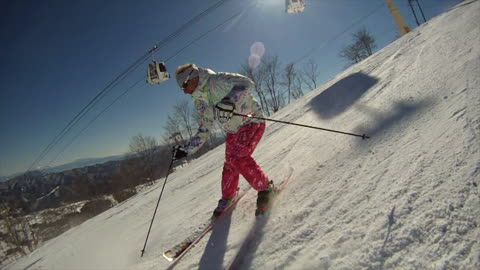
{"x": 265, "y": 198}
{"x": 223, "y": 204}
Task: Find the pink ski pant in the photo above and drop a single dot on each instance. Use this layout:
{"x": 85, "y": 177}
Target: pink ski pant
{"x": 238, "y": 160}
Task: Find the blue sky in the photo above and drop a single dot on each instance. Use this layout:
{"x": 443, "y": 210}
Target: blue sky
{"x": 56, "y": 56}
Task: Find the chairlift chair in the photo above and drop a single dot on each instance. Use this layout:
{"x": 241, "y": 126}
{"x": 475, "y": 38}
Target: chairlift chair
{"x": 157, "y": 72}
{"x": 294, "y": 6}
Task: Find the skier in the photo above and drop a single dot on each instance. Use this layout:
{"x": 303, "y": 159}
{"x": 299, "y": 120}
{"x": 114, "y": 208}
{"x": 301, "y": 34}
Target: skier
{"x": 216, "y": 96}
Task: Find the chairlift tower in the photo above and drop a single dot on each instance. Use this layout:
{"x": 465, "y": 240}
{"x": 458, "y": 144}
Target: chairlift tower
{"x": 397, "y": 17}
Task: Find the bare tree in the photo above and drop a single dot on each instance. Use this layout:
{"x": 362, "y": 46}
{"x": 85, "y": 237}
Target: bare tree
{"x": 181, "y": 120}
{"x": 361, "y": 48}
{"x": 353, "y": 53}
{"x": 289, "y": 76}
{"x": 258, "y": 78}
{"x": 183, "y": 112}
{"x": 12, "y": 224}
{"x": 310, "y": 74}
{"x": 270, "y": 66}
{"x": 172, "y": 126}
{"x": 130, "y": 175}
{"x": 144, "y": 149}
{"x": 365, "y": 40}
{"x": 297, "y": 91}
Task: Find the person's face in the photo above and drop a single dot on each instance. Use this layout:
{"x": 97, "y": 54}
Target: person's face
{"x": 191, "y": 85}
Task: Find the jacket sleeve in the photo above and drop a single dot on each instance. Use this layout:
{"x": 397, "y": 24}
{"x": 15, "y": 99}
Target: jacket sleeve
{"x": 238, "y": 85}
{"x": 205, "y": 125}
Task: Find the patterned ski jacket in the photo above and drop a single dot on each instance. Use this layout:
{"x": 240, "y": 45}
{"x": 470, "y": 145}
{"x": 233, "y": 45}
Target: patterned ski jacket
{"x": 212, "y": 88}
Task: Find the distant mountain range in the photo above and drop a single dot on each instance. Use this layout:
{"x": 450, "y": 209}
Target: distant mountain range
{"x": 72, "y": 165}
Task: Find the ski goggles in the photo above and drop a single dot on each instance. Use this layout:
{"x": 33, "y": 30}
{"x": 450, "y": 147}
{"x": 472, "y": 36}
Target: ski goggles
{"x": 187, "y": 74}
{"x": 185, "y": 83}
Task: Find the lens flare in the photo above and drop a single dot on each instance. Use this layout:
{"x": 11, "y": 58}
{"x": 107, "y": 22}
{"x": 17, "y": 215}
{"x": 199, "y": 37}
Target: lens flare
{"x": 257, "y": 50}
{"x": 254, "y": 61}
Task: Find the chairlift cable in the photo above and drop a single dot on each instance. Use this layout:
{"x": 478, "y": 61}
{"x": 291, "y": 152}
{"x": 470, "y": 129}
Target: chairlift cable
{"x": 203, "y": 35}
{"x": 341, "y": 33}
{"x": 84, "y": 111}
{"x": 112, "y": 84}
{"x": 131, "y": 87}
{"x": 188, "y": 24}
{"x": 138, "y": 62}
{"x": 93, "y": 120}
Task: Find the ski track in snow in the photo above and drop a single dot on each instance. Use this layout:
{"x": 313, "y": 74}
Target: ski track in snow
{"x": 407, "y": 198}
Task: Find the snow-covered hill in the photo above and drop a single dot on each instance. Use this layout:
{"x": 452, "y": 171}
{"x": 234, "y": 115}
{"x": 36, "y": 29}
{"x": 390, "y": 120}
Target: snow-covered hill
{"x": 408, "y": 198}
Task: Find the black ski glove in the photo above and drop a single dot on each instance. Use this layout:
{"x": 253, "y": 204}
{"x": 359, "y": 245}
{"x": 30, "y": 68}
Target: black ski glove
{"x": 178, "y": 152}
{"x": 224, "y": 110}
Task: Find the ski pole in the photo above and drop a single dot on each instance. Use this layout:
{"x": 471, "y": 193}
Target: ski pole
{"x": 363, "y": 136}
{"x": 158, "y": 202}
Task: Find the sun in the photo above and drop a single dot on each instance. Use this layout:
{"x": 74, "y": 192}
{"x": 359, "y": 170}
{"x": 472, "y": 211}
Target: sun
{"x": 272, "y": 3}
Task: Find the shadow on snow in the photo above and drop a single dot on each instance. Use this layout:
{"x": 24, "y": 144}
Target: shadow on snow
{"x": 216, "y": 248}
{"x": 245, "y": 255}
{"x": 342, "y": 95}
{"x": 396, "y": 118}
{"x": 214, "y": 254}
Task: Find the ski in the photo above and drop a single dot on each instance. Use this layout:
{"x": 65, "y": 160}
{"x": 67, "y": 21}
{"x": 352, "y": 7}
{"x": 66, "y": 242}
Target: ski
{"x": 178, "y": 251}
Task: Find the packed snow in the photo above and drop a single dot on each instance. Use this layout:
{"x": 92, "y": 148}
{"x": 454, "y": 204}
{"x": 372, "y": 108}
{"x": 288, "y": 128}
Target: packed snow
{"x": 407, "y": 198}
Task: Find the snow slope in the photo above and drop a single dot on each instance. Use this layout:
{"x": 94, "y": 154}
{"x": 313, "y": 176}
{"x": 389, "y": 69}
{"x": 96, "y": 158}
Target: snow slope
{"x": 407, "y": 198}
